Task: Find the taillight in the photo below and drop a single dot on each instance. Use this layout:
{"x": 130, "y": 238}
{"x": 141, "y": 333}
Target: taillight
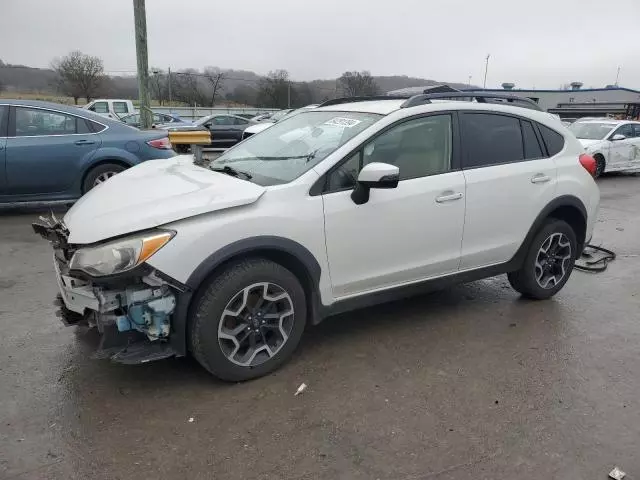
{"x": 589, "y": 163}
{"x": 161, "y": 143}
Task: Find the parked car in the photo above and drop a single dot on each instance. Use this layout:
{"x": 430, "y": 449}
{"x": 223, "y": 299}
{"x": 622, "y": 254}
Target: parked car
{"x": 111, "y": 108}
{"x": 615, "y": 144}
{"x": 53, "y": 152}
{"x": 351, "y": 204}
{"x": 226, "y": 130}
{"x": 160, "y": 120}
{"x": 276, "y": 117}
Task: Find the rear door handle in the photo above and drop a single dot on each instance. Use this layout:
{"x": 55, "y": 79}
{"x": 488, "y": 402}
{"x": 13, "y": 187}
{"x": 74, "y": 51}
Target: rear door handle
{"x": 540, "y": 178}
{"x": 84, "y": 142}
{"x": 449, "y": 197}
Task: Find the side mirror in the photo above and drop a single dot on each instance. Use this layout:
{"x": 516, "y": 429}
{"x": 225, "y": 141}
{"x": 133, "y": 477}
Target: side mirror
{"x": 618, "y": 136}
{"x": 374, "y": 175}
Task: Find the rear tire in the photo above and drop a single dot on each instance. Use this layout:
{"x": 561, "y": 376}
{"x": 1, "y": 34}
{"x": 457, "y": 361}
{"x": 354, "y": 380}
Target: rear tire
{"x": 248, "y": 320}
{"x": 548, "y": 263}
{"x": 100, "y": 174}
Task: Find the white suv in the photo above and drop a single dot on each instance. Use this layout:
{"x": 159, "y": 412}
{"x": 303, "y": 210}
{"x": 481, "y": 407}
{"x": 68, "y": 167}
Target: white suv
{"x": 354, "y": 203}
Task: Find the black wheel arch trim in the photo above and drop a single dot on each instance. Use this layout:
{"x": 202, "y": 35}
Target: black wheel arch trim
{"x": 319, "y": 311}
{"x": 241, "y": 248}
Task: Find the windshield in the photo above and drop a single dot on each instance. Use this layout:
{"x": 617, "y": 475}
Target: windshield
{"x": 292, "y": 146}
{"x": 591, "y": 130}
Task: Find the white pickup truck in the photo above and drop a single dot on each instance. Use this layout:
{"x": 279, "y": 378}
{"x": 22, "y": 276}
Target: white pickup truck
{"x": 111, "y": 108}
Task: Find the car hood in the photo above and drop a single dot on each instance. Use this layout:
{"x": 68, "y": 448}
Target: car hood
{"x": 589, "y": 143}
{"x": 258, "y": 127}
{"x": 154, "y": 193}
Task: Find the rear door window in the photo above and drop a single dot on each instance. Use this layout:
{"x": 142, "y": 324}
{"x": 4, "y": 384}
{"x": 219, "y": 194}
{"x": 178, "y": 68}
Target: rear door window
{"x": 490, "y": 139}
{"x": 552, "y": 139}
{"x": 120, "y": 107}
{"x": 532, "y": 148}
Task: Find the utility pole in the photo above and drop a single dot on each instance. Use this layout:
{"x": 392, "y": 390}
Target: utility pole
{"x": 617, "y": 76}
{"x": 169, "y": 83}
{"x": 289, "y": 94}
{"x": 486, "y": 68}
{"x": 469, "y": 80}
{"x": 140, "y": 19}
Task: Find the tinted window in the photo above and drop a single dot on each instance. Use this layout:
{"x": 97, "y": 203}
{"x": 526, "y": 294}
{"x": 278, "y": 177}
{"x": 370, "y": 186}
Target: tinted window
{"x": 626, "y": 130}
{"x": 3, "y": 120}
{"x": 32, "y": 122}
{"x": 240, "y": 121}
{"x": 490, "y": 139}
{"x": 419, "y": 148}
{"x": 120, "y": 107}
{"x": 636, "y": 128}
{"x": 222, "y": 120}
{"x": 345, "y": 175}
{"x": 100, "y": 107}
{"x": 552, "y": 139}
{"x": 82, "y": 126}
{"x": 95, "y": 126}
{"x": 532, "y": 148}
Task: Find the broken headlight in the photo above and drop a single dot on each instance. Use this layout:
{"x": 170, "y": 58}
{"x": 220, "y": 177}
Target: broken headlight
{"x": 120, "y": 255}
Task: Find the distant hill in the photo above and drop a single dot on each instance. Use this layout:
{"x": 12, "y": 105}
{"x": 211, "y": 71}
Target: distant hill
{"x": 239, "y": 85}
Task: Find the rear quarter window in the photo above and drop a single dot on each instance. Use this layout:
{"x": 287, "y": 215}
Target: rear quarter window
{"x": 552, "y": 139}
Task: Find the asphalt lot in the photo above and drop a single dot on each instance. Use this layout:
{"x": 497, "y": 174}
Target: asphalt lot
{"x": 469, "y": 383}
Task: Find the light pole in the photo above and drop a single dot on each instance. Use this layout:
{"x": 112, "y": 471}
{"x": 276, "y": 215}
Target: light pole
{"x": 486, "y": 68}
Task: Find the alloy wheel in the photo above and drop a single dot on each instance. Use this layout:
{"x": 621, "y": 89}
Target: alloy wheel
{"x": 552, "y": 260}
{"x": 256, "y": 324}
{"x": 103, "y": 177}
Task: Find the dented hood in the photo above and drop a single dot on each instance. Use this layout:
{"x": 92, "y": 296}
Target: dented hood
{"x": 152, "y": 194}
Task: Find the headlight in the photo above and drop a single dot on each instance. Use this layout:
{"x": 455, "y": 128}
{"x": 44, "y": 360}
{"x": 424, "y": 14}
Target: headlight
{"x": 120, "y": 255}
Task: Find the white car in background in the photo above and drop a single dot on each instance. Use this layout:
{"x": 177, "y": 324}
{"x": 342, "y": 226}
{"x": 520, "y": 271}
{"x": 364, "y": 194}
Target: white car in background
{"x": 614, "y": 144}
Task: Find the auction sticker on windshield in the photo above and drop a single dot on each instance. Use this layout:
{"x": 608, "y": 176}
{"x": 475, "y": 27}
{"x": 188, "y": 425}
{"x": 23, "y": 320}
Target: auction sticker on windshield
{"x": 342, "y": 122}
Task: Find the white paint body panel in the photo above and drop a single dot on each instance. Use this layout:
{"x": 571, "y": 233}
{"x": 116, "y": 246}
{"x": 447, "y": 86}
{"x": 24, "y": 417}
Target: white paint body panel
{"x": 152, "y": 194}
{"x": 400, "y": 235}
{"x": 502, "y": 204}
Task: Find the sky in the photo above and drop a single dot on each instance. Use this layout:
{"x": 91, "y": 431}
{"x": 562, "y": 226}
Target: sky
{"x": 541, "y": 44}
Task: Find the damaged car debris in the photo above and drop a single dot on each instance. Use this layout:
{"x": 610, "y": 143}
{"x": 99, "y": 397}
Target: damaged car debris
{"x": 141, "y": 303}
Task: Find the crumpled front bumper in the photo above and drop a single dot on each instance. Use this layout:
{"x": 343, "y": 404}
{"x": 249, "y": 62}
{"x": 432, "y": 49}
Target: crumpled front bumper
{"x": 132, "y": 312}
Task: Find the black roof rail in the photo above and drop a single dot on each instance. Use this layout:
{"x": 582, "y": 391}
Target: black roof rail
{"x": 338, "y": 101}
{"x": 480, "y": 97}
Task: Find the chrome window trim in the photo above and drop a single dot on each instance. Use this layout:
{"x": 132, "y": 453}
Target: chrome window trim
{"x": 106, "y": 127}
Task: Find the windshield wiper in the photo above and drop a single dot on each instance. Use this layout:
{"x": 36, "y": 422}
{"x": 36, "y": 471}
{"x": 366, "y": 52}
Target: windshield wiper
{"x": 308, "y": 156}
{"x": 233, "y": 172}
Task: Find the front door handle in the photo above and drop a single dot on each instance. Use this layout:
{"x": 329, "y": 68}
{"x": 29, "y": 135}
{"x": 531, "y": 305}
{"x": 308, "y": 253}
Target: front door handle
{"x": 449, "y": 197}
{"x": 540, "y": 178}
{"x": 84, "y": 142}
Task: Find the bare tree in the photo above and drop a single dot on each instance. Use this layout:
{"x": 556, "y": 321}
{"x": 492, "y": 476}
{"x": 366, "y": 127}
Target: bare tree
{"x": 79, "y": 75}
{"x": 215, "y": 77}
{"x": 2, "y": 86}
{"x": 357, "y": 84}
{"x": 159, "y": 85}
{"x": 187, "y": 88}
{"x": 273, "y": 90}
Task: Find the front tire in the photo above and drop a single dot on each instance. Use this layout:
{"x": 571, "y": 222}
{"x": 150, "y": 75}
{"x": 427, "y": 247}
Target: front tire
{"x": 248, "y": 320}
{"x": 548, "y": 263}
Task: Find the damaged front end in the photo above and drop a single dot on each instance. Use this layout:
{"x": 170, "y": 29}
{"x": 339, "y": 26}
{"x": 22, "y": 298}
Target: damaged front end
{"x": 132, "y": 309}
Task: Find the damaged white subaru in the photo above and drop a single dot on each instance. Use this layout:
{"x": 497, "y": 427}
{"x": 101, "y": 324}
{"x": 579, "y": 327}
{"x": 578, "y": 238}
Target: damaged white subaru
{"x": 354, "y": 203}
